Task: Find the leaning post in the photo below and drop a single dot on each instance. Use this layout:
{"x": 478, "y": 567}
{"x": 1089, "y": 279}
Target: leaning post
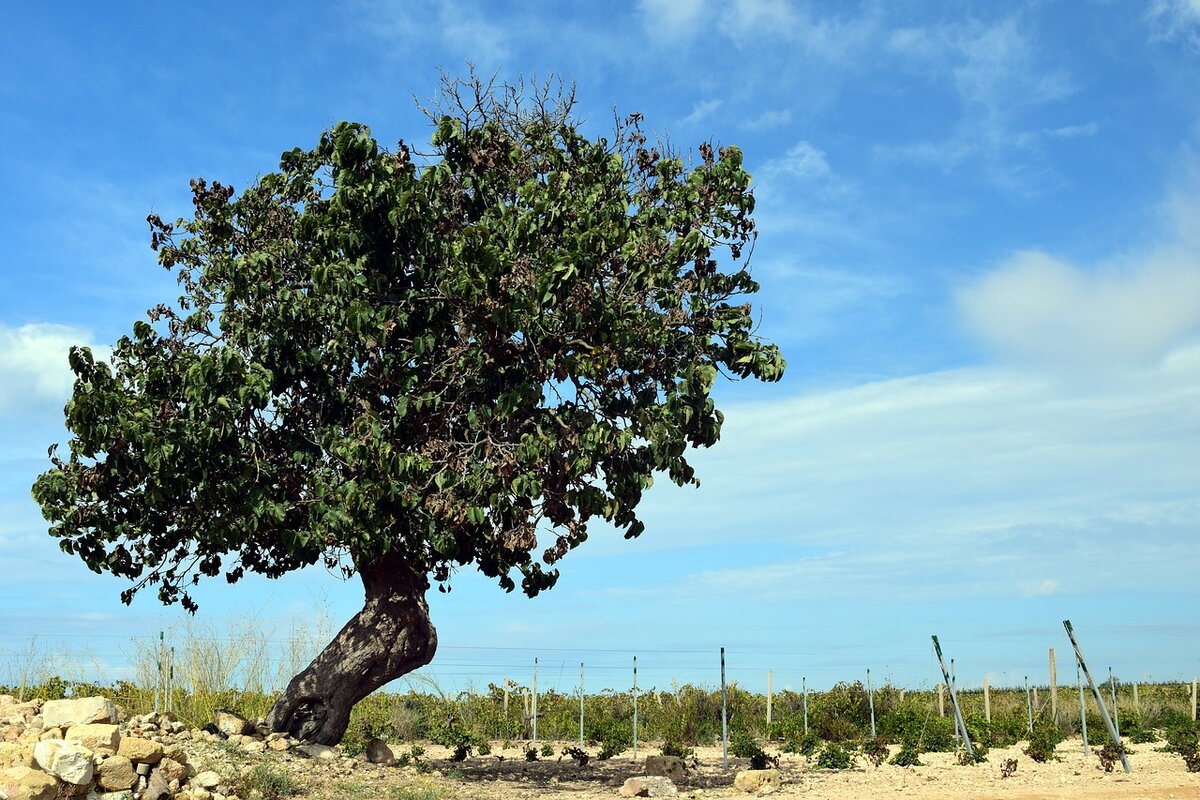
{"x": 1108, "y": 723}
{"x": 954, "y": 700}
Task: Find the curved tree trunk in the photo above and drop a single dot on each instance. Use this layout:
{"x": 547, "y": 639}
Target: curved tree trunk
{"x": 390, "y": 637}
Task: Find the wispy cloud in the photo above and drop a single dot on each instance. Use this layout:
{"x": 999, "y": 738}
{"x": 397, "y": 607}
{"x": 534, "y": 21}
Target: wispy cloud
{"x": 767, "y": 120}
{"x": 1175, "y": 19}
{"x": 701, "y": 111}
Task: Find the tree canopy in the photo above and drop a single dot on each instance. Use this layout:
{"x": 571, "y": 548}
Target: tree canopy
{"x": 437, "y": 356}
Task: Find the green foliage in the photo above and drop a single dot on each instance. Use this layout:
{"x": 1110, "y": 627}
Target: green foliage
{"x": 578, "y": 755}
{"x": 743, "y": 745}
{"x": 451, "y": 734}
{"x": 368, "y": 720}
{"x": 875, "y": 751}
{"x": 422, "y": 792}
{"x": 484, "y": 747}
{"x": 978, "y": 756}
{"x": 438, "y": 358}
{"x": 531, "y": 754}
{"x": 835, "y": 756}
{"x": 613, "y": 735}
{"x": 673, "y": 747}
{"x": 909, "y": 755}
{"x": 804, "y": 743}
{"x": 269, "y": 782}
{"x": 842, "y": 714}
{"x": 916, "y": 722}
{"x": 1043, "y": 741}
{"x": 547, "y": 750}
{"x": 1109, "y": 755}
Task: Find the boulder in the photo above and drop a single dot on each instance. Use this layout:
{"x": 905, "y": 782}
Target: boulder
{"x": 95, "y": 736}
{"x": 378, "y": 752}
{"x": 666, "y": 766}
{"x": 140, "y": 751}
{"x": 175, "y": 752}
{"x": 24, "y": 783}
{"x": 232, "y": 724}
{"x": 78, "y": 711}
{"x": 115, "y": 774}
{"x": 279, "y": 745}
{"x": 758, "y": 781}
{"x": 322, "y": 752}
{"x": 648, "y": 786}
{"x": 15, "y": 754}
{"x": 70, "y": 762}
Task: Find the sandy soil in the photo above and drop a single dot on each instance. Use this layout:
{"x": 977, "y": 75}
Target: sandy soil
{"x": 1156, "y": 776}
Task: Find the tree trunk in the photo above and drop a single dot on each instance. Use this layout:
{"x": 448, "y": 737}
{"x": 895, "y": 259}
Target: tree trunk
{"x": 390, "y": 637}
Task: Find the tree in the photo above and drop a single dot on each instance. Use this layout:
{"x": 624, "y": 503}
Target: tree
{"x": 401, "y": 364}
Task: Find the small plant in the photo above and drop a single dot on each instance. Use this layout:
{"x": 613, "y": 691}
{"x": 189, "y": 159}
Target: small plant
{"x": 1184, "y": 740}
{"x": 909, "y": 755}
{"x": 547, "y": 750}
{"x": 875, "y": 751}
{"x": 977, "y": 757}
{"x": 531, "y": 754}
{"x": 1109, "y": 755}
{"x": 425, "y": 792}
{"x": 674, "y": 747}
{"x": 1043, "y": 741}
{"x": 1008, "y": 768}
{"x": 746, "y": 746}
{"x": 484, "y": 748}
{"x": 267, "y": 782}
{"x": 835, "y": 756}
{"x": 806, "y": 744}
{"x": 577, "y": 755}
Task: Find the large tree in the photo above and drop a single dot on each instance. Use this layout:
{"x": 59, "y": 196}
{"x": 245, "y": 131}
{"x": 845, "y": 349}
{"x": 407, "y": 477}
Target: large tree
{"x": 399, "y": 364}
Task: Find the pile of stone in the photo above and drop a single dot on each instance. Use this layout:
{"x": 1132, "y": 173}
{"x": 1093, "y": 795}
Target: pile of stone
{"x": 79, "y": 748}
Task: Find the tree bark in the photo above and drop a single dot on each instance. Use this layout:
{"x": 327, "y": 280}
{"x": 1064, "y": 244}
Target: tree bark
{"x": 390, "y": 637}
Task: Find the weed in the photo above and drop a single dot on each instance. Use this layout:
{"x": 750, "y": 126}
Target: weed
{"x": 1109, "y": 755}
{"x": 1008, "y": 768}
{"x": 673, "y": 747}
{"x": 909, "y": 755}
{"x": 531, "y": 754}
{"x": 422, "y": 792}
{"x": 806, "y": 744}
{"x": 547, "y": 750}
{"x": 746, "y": 746}
{"x": 484, "y": 748}
{"x": 268, "y": 782}
{"x": 577, "y": 755}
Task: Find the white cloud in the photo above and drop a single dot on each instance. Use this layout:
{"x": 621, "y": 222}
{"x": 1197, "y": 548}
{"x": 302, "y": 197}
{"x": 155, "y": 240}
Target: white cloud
{"x": 804, "y": 161}
{"x": 1140, "y": 308}
{"x": 33, "y": 364}
{"x": 767, "y": 120}
{"x": 700, "y": 111}
{"x": 671, "y": 19}
{"x": 1171, "y": 19}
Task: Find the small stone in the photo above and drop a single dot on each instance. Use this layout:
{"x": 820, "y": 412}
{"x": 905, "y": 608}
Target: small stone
{"x": 232, "y": 724}
{"x": 70, "y": 762}
{"x": 667, "y": 766}
{"x": 279, "y": 745}
{"x": 143, "y": 769}
{"x": 172, "y": 770}
{"x": 24, "y": 783}
{"x": 156, "y": 787}
{"x": 756, "y": 780}
{"x": 648, "y": 786}
{"x": 95, "y": 736}
{"x": 140, "y": 751}
{"x": 201, "y": 794}
{"x": 15, "y": 754}
{"x": 175, "y": 753}
{"x": 53, "y": 733}
{"x": 116, "y": 774}
{"x": 207, "y": 780}
{"x": 78, "y": 711}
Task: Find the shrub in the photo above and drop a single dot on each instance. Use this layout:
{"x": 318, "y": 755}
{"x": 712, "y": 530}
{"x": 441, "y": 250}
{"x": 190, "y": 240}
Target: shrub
{"x": 743, "y": 745}
{"x": 673, "y": 747}
{"x": 909, "y": 755}
{"x": 834, "y": 756}
{"x": 1109, "y": 755}
{"x": 268, "y": 782}
{"x": 1043, "y": 741}
{"x": 805, "y": 744}
{"x": 875, "y": 751}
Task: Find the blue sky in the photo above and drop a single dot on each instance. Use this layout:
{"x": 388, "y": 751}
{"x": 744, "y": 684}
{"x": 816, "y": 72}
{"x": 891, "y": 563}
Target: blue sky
{"x": 979, "y": 250}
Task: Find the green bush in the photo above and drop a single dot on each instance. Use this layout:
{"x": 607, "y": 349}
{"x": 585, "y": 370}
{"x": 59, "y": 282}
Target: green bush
{"x": 1043, "y": 741}
{"x": 743, "y": 745}
{"x": 834, "y": 756}
{"x": 909, "y": 756}
{"x": 805, "y": 744}
{"x": 875, "y": 751}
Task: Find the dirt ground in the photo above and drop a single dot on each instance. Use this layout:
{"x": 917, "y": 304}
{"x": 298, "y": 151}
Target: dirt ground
{"x": 1156, "y": 776}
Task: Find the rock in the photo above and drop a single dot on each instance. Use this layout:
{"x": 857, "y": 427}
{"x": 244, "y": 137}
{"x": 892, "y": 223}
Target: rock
{"x": 24, "y": 783}
{"x": 648, "y": 786}
{"x": 125, "y": 795}
{"x": 201, "y": 794}
{"x": 279, "y": 745}
{"x": 116, "y": 774}
{"x": 207, "y": 780}
{"x": 78, "y": 711}
{"x": 175, "y": 753}
{"x": 378, "y": 752}
{"x": 70, "y": 762}
{"x": 53, "y": 733}
{"x": 232, "y": 724}
{"x": 322, "y": 752}
{"x": 14, "y": 754}
{"x": 140, "y": 751}
{"x": 95, "y": 736}
{"x": 156, "y": 787}
{"x": 667, "y": 766}
{"x": 757, "y": 780}
{"x": 172, "y": 770}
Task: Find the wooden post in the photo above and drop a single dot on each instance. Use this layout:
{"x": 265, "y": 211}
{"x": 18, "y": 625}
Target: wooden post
{"x": 941, "y": 699}
{"x": 804, "y": 690}
{"x": 534, "y": 709}
{"x": 1053, "y": 688}
{"x": 635, "y": 714}
{"x": 1029, "y": 704}
{"x": 506, "y": 683}
{"x": 581, "y": 704}
{"x": 1036, "y": 705}
{"x": 1137, "y": 704}
{"x": 1193, "y": 699}
{"x": 769, "y": 705}
{"x": 987, "y": 701}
